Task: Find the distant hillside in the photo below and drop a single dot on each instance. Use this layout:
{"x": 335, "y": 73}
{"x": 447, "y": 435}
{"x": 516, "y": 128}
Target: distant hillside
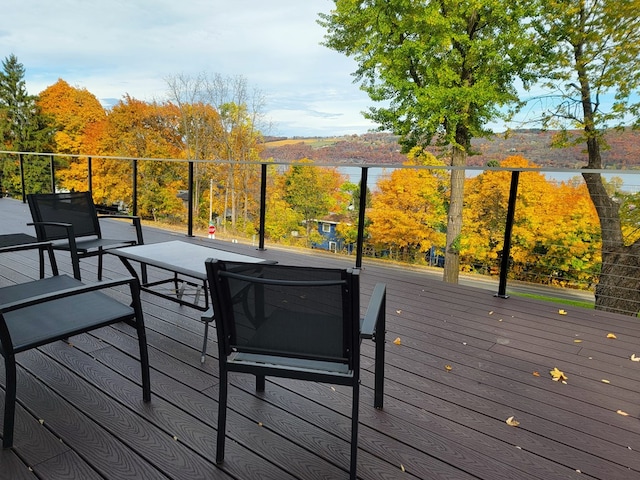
{"x": 383, "y": 148}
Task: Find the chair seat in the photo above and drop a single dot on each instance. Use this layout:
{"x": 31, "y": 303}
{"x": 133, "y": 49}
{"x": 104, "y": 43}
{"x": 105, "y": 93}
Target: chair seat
{"x": 39, "y": 324}
{"x": 86, "y": 245}
{"x": 288, "y": 364}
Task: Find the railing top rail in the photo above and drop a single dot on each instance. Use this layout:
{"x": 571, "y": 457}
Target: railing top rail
{"x": 577, "y": 171}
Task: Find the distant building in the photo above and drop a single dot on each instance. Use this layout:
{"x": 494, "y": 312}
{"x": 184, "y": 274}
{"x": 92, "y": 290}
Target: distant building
{"x": 327, "y": 228}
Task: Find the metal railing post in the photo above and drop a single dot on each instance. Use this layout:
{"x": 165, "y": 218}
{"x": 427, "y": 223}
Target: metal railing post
{"x": 361, "y": 215}
{"x": 190, "y": 202}
{"x": 263, "y": 205}
{"x": 135, "y": 187}
{"x": 90, "y": 174}
{"x": 24, "y": 193}
{"x": 52, "y": 166}
{"x": 506, "y": 249}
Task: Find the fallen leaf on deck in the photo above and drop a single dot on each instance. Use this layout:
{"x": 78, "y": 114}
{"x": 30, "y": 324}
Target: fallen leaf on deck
{"x": 557, "y": 375}
{"x": 512, "y": 422}
{"x": 611, "y": 335}
{"x": 491, "y": 312}
{"x": 562, "y": 312}
{"x": 604, "y": 380}
{"x": 536, "y": 374}
{"x": 398, "y": 312}
{"x": 577, "y": 341}
{"x": 624, "y": 414}
{"x": 397, "y": 341}
{"x": 175, "y": 439}
{"x": 402, "y": 468}
{"x": 41, "y": 421}
{"x": 448, "y": 368}
{"x": 634, "y": 358}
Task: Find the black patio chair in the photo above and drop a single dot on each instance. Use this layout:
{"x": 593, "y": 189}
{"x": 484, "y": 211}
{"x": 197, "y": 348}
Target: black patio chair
{"x": 43, "y": 311}
{"x": 71, "y": 222}
{"x": 294, "y": 322}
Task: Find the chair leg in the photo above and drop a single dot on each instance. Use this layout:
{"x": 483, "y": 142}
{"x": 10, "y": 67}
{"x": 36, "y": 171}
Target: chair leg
{"x": 9, "y": 402}
{"x": 203, "y": 355}
{"x": 100, "y": 263}
{"x": 144, "y": 361}
{"x": 354, "y": 431}
{"x": 222, "y": 415}
{"x": 260, "y": 383}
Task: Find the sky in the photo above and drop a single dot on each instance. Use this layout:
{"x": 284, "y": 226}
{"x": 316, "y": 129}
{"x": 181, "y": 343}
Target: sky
{"x": 131, "y": 47}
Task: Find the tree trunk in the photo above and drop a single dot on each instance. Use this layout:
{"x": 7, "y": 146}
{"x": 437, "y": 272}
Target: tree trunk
{"x": 617, "y": 289}
{"x": 454, "y": 218}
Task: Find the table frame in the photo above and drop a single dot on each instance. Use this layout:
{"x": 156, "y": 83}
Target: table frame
{"x": 185, "y": 262}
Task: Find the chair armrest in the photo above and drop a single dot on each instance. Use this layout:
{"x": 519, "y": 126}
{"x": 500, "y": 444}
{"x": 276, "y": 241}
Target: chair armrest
{"x": 67, "y": 226}
{"x": 374, "y": 310}
{"x": 66, "y": 292}
{"x": 136, "y": 223}
{"x": 25, "y": 246}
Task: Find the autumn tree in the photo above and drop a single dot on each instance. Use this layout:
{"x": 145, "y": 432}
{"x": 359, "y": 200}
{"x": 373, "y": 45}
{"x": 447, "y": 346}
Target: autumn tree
{"x": 236, "y": 138}
{"x": 445, "y": 69}
{"x": 78, "y": 120}
{"x": 142, "y": 130}
{"x": 592, "y": 66}
{"x": 23, "y": 128}
{"x": 555, "y": 232}
{"x": 408, "y": 210}
{"x": 313, "y": 192}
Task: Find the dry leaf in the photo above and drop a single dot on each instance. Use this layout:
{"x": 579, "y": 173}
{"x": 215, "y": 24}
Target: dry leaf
{"x": 398, "y": 312}
{"x": 536, "y": 374}
{"x": 41, "y": 421}
{"x": 175, "y": 438}
{"x": 624, "y": 414}
{"x": 604, "y": 380}
{"x": 577, "y": 341}
{"x": 611, "y": 335}
{"x": 562, "y": 312}
{"x": 448, "y": 368}
{"x": 558, "y": 375}
{"x": 397, "y": 341}
{"x": 402, "y": 468}
{"x": 634, "y": 358}
{"x": 259, "y": 424}
{"x": 491, "y": 312}
{"x": 512, "y": 422}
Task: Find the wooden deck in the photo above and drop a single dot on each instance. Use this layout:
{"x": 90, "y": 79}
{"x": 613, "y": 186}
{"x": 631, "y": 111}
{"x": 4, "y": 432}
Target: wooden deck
{"x": 466, "y": 361}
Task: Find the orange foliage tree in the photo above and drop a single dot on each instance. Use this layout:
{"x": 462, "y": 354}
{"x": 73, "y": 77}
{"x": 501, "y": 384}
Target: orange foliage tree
{"x": 78, "y": 119}
{"x": 142, "y": 130}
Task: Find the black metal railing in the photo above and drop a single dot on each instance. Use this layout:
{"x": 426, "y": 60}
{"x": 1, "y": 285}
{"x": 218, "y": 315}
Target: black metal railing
{"x": 364, "y": 169}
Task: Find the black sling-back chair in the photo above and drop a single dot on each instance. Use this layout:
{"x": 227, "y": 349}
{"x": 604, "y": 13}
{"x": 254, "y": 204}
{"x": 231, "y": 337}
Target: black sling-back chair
{"x": 294, "y": 322}
{"x": 43, "y": 311}
{"x": 72, "y": 223}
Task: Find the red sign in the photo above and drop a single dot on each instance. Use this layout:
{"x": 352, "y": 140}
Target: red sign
{"x": 212, "y": 229}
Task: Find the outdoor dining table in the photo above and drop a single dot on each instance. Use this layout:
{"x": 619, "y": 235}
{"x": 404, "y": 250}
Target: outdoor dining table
{"x": 185, "y": 263}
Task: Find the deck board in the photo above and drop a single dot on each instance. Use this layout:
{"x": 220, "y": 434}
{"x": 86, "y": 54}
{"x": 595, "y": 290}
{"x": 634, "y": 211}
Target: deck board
{"x": 437, "y": 423}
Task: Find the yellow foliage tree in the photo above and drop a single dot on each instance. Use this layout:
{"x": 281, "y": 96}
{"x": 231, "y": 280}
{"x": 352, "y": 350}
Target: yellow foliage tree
{"x": 408, "y": 211}
{"x": 555, "y": 233}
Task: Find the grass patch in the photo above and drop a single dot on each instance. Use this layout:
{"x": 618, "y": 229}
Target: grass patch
{"x": 563, "y": 301}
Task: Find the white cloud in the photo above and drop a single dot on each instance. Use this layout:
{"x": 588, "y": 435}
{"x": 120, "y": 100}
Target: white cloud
{"x": 129, "y": 47}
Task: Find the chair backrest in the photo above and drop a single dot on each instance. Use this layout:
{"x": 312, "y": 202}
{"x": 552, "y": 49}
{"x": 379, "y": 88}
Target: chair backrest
{"x": 286, "y": 311}
{"x": 76, "y": 208}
